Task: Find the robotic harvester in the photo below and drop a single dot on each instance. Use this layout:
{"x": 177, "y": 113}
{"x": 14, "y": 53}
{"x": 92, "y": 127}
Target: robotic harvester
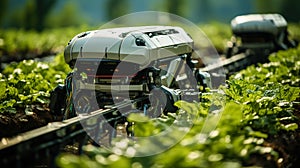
{"x": 116, "y": 64}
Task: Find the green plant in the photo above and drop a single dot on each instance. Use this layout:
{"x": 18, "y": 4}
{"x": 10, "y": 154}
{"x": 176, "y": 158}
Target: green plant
{"x": 218, "y": 34}
{"x": 30, "y": 82}
{"x": 20, "y": 44}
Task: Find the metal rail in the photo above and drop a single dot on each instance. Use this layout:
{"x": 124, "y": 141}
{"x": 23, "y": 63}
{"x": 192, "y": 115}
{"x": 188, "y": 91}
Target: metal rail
{"x": 29, "y": 148}
{"x": 235, "y": 63}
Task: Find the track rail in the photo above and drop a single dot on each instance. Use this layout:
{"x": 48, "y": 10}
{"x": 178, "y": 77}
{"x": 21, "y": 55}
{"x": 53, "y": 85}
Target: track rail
{"x": 27, "y": 149}
{"x": 235, "y": 63}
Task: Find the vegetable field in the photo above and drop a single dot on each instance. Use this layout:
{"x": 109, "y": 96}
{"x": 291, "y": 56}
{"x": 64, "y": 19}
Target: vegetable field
{"x": 255, "y": 116}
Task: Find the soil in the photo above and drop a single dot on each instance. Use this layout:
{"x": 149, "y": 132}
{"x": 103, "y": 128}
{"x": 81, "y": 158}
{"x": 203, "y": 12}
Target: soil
{"x": 287, "y": 144}
{"x": 12, "y": 124}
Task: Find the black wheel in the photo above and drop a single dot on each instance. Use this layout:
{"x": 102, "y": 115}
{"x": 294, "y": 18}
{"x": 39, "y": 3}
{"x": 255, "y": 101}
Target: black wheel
{"x": 85, "y": 102}
{"x": 158, "y": 103}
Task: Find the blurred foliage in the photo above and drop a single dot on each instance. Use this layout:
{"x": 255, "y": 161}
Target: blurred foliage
{"x": 21, "y": 44}
{"x": 67, "y": 16}
{"x": 217, "y": 33}
{"x": 294, "y": 31}
{"x": 33, "y": 15}
{"x": 116, "y": 8}
{"x": 177, "y": 7}
{"x": 267, "y": 5}
{"x": 38, "y": 15}
{"x": 3, "y": 9}
{"x": 289, "y": 9}
{"x": 204, "y": 10}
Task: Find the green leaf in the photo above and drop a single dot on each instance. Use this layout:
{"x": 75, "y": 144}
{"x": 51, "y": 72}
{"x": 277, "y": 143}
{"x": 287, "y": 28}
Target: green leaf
{"x": 258, "y": 134}
{"x": 191, "y": 108}
{"x": 137, "y": 117}
{"x": 291, "y": 127}
{"x": 3, "y": 86}
{"x": 232, "y": 113}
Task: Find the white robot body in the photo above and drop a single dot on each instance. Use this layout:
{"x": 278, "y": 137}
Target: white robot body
{"x": 256, "y": 23}
{"x": 260, "y": 34}
{"x": 140, "y": 45}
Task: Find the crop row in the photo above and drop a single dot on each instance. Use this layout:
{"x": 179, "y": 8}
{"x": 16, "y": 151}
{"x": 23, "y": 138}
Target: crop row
{"x": 29, "y": 82}
{"x": 20, "y": 44}
{"x": 16, "y": 45}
